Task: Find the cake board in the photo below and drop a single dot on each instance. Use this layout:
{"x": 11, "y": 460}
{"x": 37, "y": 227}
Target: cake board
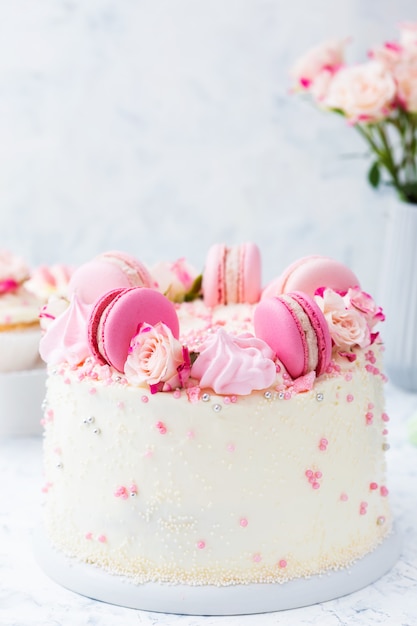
{"x": 90, "y": 581}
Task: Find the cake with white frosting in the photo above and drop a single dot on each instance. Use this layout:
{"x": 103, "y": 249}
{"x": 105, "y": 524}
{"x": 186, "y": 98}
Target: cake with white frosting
{"x": 203, "y": 460}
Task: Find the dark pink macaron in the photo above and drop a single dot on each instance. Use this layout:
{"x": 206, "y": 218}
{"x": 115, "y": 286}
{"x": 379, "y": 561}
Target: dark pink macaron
{"x": 117, "y": 316}
{"x": 295, "y": 328}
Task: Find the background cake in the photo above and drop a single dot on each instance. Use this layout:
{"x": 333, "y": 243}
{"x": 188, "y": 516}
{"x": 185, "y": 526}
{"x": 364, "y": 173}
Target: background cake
{"x": 23, "y": 294}
{"x": 215, "y": 444}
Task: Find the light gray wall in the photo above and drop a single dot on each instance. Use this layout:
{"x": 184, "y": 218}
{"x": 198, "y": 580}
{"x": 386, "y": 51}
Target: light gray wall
{"x": 162, "y": 126}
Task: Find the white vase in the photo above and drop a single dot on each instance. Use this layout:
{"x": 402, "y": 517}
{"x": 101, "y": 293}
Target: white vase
{"x": 399, "y": 294}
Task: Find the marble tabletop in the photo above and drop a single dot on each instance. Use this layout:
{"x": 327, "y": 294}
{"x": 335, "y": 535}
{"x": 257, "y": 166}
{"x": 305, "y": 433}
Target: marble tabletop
{"x": 29, "y": 598}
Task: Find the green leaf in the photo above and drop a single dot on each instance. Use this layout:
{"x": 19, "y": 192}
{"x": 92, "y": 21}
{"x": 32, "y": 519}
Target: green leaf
{"x": 374, "y": 174}
{"x": 195, "y": 290}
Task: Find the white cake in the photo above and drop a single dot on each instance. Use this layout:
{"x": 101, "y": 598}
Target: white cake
{"x": 198, "y": 488}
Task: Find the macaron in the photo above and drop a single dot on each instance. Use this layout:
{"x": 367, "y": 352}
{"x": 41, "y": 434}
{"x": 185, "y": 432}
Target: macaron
{"x": 232, "y": 274}
{"x": 117, "y": 316}
{"x": 295, "y": 328}
{"x": 107, "y": 271}
{"x": 309, "y": 274}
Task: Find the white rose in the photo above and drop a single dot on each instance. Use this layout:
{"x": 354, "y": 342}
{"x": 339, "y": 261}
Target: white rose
{"x": 347, "y": 326}
{"x": 154, "y": 357}
{"x": 174, "y": 280}
{"x": 363, "y": 92}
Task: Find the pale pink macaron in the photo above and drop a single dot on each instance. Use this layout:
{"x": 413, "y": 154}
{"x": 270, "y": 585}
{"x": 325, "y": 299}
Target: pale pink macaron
{"x": 232, "y": 274}
{"x": 309, "y": 274}
{"x": 296, "y": 330}
{"x": 117, "y": 316}
{"x": 109, "y": 270}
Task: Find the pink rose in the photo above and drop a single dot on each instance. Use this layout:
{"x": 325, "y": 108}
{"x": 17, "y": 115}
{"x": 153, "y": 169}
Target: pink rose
{"x": 327, "y": 57}
{"x": 388, "y": 55}
{"x": 405, "y": 74}
{"x": 47, "y": 280}
{"x": 156, "y": 358}
{"x": 347, "y": 326}
{"x": 174, "y": 280}
{"x": 363, "y": 92}
{"x": 364, "y": 303}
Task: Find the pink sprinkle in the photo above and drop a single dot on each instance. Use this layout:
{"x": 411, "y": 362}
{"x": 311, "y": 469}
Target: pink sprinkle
{"x": 50, "y": 415}
{"x": 348, "y": 376}
{"x": 161, "y": 427}
{"x": 89, "y": 536}
{"x": 373, "y": 486}
{"x": 309, "y": 473}
{"x": 102, "y": 538}
{"x": 257, "y": 558}
{"x": 92, "y": 391}
{"x": 243, "y": 522}
{"x": 233, "y": 399}
{"x": 370, "y": 406}
{"x": 67, "y": 381}
{"x": 385, "y": 431}
{"x": 316, "y": 485}
{"x": 344, "y": 497}
{"x": 349, "y": 397}
{"x": 383, "y": 491}
{"x": 190, "y": 434}
{"x": 323, "y": 444}
{"x": 133, "y": 489}
{"x": 318, "y": 474}
{"x": 226, "y": 400}
{"x": 369, "y": 417}
{"x": 177, "y": 394}
{"x": 282, "y": 563}
{"x": 120, "y": 405}
{"x": 363, "y": 508}
{"x": 121, "y": 492}
{"x": 385, "y": 417}
{"x": 201, "y": 545}
{"x": 287, "y": 395}
{"x": 145, "y": 399}
{"x": 231, "y": 447}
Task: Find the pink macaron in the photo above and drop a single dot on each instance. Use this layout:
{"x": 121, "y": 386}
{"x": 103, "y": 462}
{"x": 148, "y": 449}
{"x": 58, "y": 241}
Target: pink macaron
{"x": 295, "y": 328}
{"x": 109, "y": 270}
{"x": 232, "y": 274}
{"x": 117, "y": 316}
{"x": 309, "y": 274}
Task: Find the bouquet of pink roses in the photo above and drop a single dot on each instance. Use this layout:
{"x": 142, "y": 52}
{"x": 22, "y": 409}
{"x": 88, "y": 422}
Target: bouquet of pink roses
{"x": 378, "y": 98}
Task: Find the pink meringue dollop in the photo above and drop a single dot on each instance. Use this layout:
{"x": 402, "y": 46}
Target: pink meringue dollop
{"x": 66, "y": 339}
{"x": 234, "y": 364}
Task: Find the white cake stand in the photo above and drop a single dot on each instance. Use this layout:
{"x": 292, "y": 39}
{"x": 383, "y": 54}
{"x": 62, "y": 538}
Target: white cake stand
{"x": 92, "y": 582}
{"x": 21, "y": 397}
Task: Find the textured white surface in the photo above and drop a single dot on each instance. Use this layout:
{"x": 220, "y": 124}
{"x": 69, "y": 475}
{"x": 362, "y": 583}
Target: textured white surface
{"x": 161, "y": 127}
{"x": 29, "y": 598}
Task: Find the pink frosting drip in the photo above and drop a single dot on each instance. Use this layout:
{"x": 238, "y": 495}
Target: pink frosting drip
{"x": 66, "y": 338}
{"x": 234, "y": 364}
